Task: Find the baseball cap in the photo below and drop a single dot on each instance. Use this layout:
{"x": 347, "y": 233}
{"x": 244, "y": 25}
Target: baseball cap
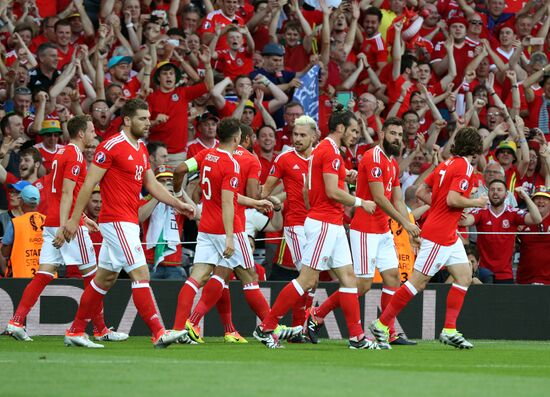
{"x": 164, "y": 171}
{"x": 19, "y": 185}
{"x": 208, "y": 115}
{"x": 507, "y": 145}
{"x": 541, "y": 190}
{"x": 30, "y": 195}
{"x": 273, "y": 49}
{"x": 50, "y": 127}
{"x": 249, "y": 104}
{"x": 163, "y": 66}
{"x": 74, "y": 15}
{"x": 118, "y": 59}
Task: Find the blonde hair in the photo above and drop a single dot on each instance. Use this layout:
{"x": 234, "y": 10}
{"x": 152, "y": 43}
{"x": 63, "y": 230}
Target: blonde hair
{"x": 306, "y": 121}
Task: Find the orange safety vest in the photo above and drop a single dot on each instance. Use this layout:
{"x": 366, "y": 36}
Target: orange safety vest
{"x": 405, "y": 252}
{"x": 27, "y": 243}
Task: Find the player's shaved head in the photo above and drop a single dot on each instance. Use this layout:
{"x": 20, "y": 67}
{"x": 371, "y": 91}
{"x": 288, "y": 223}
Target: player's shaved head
{"x": 228, "y": 128}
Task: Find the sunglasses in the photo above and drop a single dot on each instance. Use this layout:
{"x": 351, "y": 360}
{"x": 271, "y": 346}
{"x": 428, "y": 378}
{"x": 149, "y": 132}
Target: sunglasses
{"x": 476, "y": 22}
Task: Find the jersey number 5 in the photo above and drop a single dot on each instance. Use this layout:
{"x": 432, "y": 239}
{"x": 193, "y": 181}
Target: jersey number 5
{"x": 207, "y": 189}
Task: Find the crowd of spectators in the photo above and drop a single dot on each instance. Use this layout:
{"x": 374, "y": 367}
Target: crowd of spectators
{"x": 438, "y": 65}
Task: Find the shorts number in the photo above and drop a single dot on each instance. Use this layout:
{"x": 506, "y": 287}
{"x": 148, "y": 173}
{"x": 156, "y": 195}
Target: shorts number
{"x": 54, "y": 168}
{"x": 207, "y": 189}
{"x": 139, "y": 172}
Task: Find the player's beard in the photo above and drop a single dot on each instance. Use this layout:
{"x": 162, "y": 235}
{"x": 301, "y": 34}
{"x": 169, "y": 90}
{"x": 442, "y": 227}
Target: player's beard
{"x": 391, "y": 149}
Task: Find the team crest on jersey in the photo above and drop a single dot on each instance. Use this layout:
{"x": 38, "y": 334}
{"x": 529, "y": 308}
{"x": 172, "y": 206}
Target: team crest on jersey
{"x": 239, "y": 62}
{"x": 505, "y": 223}
{"x": 207, "y": 25}
{"x": 464, "y": 185}
{"x": 272, "y": 170}
{"x": 234, "y": 182}
{"x": 175, "y": 97}
{"x": 470, "y": 54}
{"x": 75, "y": 170}
{"x": 127, "y": 93}
{"x": 376, "y": 172}
{"x": 138, "y": 248}
{"x": 100, "y": 157}
{"x": 336, "y": 164}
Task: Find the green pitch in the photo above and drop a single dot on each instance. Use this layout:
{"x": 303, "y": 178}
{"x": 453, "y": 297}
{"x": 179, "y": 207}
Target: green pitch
{"x": 133, "y": 368}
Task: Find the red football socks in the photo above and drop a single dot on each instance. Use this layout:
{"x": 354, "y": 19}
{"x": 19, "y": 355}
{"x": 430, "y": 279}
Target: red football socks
{"x": 299, "y": 311}
{"x": 332, "y": 302}
{"x": 256, "y": 300}
{"x": 288, "y": 297}
{"x": 143, "y": 299}
{"x": 90, "y": 302}
{"x": 97, "y": 319}
{"x": 349, "y": 303}
{"x": 30, "y": 296}
{"x": 185, "y": 302}
{"x": 211, "y": 293}
{"x": 400, "y": 299}
{"x": 387, "y": 295}
{"x": 455, "y": 299}
{"x": 224, "y": 310}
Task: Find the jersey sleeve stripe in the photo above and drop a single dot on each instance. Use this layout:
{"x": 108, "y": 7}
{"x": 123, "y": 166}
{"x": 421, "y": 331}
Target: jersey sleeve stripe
{"x": 109, "y": 145}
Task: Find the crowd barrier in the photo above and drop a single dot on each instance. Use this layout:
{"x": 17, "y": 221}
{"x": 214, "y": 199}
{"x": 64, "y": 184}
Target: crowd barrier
{"x": 489, "y": 312}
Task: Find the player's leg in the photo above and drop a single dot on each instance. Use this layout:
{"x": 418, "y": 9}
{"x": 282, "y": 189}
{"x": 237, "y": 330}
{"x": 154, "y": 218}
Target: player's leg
{"x": 206, "y": 256}
{"x": 295, "y": 238}
{"x": 199, "y": 276}
{"x": 231, "y": 335}
{"x": 90, "y": 303}
{"x": 16, "y": 326}
{"x": 211, "y": 293}
{"x": 428, "y": 262}
{"x": 460, "y": 269}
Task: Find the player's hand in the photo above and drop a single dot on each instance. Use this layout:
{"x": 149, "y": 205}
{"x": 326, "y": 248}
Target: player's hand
{"x": 369, "y": 206}
{"x": 412, "y": 229}
{"x": 59, "y": 239}
{"x": 415, "y": 242}
{"x": 70, "y": 229}
{"x": 263, "y": 205}
{"x": 229, "y": 247}
{"x": 186, "y": 209}
{"x": 351, "y": 176}
{"x": 481, "y": 202}
{"x": 91, "y": 225}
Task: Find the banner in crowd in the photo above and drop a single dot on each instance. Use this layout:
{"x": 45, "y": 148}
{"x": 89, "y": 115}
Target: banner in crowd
{"x": 308, "y": 93}
{"x": 490, "y": 311}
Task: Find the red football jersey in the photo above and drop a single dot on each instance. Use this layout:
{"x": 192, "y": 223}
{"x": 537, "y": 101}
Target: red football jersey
{"x": 130, "y": 88}
{"x": 249, "y": 169}
{"x": 374, "y": 167}
{"x": 196, "y": 146}
{"x": 47, "y": 156}
{"x": 454, "y": 174}
{"x": 291, "y": 169}
{"x": 325, "y": 159}
{"x": 68, "y": 163}
{"x": 496, "y": 250}
{"x": 121, "y": 185}
{"x": 375, "y": 50}
{"x": 217, "y": 17}
{"x": 534, "y": 266}
{"x": 219, "y": 171}
{"x": 231, "y": 66}
{"x": 463, "y": 56}
{"x": 174, "y": 104}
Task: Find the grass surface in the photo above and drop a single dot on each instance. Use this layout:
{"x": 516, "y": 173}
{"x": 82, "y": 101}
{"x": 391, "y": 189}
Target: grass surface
{"x": 133, "y": 368}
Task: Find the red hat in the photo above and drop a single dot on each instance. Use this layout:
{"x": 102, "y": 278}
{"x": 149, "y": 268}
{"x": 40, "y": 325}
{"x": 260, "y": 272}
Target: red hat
{"x": 508, "y": 24}
{"x": 457, "y": 19}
